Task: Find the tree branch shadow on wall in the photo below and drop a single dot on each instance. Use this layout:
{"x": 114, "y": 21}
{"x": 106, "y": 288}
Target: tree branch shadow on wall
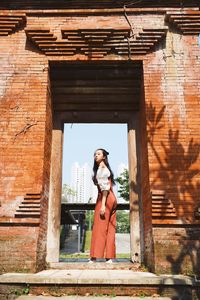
{"x": 176, "y": 174}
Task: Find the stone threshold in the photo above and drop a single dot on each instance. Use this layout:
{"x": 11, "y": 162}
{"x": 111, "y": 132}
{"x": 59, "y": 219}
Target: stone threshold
{"x": 75, "y": 297}
{"x": 100, "y": 277}
{"x": 82, "y": 264}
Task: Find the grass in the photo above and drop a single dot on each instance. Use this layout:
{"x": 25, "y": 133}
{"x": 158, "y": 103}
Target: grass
{"x": 87, "y": 240}
{"x": 75, "y": 255}
{"x": 85, "y": 254}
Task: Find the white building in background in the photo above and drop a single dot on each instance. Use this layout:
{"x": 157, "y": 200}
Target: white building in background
{"x": 120, "y": 169}
{"x": 82, "y": 184}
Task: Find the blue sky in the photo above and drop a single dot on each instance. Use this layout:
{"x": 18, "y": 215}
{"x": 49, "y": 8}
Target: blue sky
{"x": 81, "y": 140}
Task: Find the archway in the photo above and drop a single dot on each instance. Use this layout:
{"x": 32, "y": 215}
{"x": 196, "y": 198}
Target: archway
{"x": 97, "y": 92}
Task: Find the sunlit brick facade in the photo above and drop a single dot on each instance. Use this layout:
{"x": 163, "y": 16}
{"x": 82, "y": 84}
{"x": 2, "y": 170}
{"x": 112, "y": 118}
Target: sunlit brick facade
{"x": 162, "y": 38}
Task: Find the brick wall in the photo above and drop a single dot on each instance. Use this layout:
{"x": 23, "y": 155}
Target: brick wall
{"x": 18, "y": 245}
{"x": 23, "y": 105}
{"x": 172, "y": 101}
{"x": 171, "y": 111}
{"x": 145, "y": 186}
{"x": 177, "y": 250}
{"x": 42, "y": 237}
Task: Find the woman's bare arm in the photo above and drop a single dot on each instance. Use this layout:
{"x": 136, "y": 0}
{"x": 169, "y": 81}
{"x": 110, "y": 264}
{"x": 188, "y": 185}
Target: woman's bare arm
{"x": 103, "y": 205}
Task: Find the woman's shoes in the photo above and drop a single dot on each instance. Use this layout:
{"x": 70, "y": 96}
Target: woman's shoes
{"x": 91, "y": 261}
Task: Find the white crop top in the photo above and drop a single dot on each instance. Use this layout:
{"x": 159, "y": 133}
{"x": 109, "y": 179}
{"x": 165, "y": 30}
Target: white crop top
{"x": 102, "y": 178}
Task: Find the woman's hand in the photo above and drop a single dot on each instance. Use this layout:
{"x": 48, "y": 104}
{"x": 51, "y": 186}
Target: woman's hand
{"x": 103, "y": 204}
{"x": 102, "y": 210}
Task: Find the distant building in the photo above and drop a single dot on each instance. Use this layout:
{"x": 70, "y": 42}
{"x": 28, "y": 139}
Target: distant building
{"x": 82, "y": 184}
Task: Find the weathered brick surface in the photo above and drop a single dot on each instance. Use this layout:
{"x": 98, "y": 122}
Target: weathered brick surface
{"x": 172, "y": 102}
{"x": 23, "y": 108}
{"x": 42, "y": 237}
{"x": 23, "y": 120}
{"x": 177, "y": 250}
{"x": 145, "y": 187}
{"x": 170, "y": 108}
{"x": 18, "y": 246}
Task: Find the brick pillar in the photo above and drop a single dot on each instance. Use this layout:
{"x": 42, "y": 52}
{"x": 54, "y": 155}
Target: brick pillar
{"x": 53, "y": 234}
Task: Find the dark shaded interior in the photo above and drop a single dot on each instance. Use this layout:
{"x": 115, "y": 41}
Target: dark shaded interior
{"x": 96, "y": 87}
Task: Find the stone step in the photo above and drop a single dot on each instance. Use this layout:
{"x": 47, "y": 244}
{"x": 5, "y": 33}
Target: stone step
{"x": 102, "y": 297}
{"x": 81, "y": 264}
{"x": 94, "y": 283}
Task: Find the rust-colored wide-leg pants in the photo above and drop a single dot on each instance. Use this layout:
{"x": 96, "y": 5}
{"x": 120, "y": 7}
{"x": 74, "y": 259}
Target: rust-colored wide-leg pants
{"x": 103, "y": 232}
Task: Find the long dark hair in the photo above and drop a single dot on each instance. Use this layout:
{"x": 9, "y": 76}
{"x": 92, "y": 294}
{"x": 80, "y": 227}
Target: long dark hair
{"x": 95, "y": 167}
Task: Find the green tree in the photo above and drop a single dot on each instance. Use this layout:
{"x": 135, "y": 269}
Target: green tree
{"x": 123, "y": 223}
{"x": 89, "y": 219}
{"x": 123, "y": 181}
{"x": 66, "y": 192}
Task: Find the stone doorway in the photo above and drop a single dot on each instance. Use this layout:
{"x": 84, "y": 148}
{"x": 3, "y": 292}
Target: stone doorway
{"x": 79, "y": 193}
{"x": 99, "y": 92}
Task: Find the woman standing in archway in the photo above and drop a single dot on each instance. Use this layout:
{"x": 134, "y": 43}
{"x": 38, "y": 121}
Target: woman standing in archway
{"x": 104, "y": 226}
